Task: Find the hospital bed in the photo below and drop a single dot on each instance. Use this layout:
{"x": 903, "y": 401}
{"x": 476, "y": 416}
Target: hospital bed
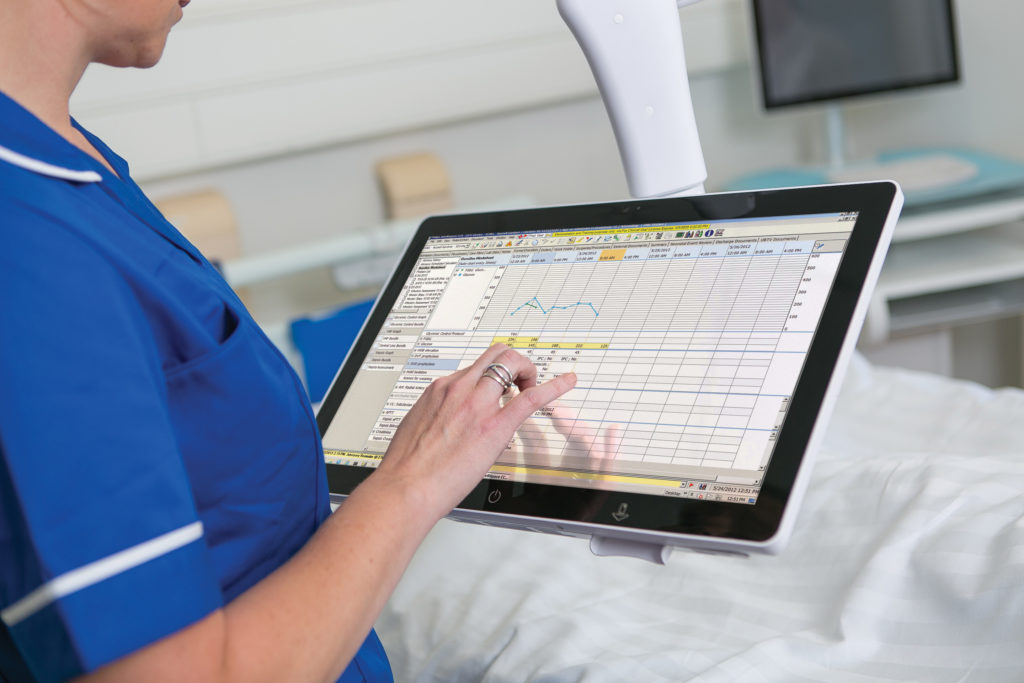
{"x": 906, "y": 564}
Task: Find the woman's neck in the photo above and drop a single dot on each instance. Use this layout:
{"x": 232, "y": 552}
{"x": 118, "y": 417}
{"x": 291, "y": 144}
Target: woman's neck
{"x": 42, "y": 58}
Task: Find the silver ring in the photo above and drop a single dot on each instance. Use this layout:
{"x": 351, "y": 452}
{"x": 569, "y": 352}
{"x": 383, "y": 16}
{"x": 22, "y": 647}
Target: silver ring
{"x": 504, "y": 387}
{"x": 502, "y": 371}
{"x": 500, "y": 374}
{"x": 497, "y": 377}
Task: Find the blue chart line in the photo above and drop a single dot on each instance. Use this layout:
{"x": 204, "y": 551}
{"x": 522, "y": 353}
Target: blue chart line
{"x": 538, "y": 306}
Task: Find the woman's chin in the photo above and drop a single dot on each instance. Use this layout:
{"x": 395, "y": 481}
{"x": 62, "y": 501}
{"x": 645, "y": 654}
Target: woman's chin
{"x": 141, "y": 57}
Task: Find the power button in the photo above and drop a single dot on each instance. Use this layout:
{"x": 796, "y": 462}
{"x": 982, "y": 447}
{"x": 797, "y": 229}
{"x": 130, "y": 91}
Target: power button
{"x": 494, "y": 496}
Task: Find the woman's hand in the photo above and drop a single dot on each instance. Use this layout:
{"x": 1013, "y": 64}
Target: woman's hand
{"x": 302, "y": 622}
{"x": 459, "y": 427}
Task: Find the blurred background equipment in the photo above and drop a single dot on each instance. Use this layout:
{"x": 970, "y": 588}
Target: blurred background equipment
{"x": 206, "y": 219}
{"x": 414, "y": 185}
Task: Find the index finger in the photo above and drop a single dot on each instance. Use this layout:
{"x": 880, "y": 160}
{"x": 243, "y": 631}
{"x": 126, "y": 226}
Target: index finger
{"x": 534, "y": 398}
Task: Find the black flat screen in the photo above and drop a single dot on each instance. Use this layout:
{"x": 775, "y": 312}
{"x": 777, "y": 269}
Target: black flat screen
{"x": 703, "y": 330}
{"x": 811, "y": 50}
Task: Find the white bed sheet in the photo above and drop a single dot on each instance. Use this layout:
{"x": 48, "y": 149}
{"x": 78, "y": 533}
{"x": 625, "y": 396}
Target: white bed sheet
{"x": 906, "y": 564}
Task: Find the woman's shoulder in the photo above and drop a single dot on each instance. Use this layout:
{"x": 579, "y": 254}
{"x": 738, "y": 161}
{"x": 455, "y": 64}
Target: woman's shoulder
{"x": 37, "y": 229}
{"x": 34, "y": 197}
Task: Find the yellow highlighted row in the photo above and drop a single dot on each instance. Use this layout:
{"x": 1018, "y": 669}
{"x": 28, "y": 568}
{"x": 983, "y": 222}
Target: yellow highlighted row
{"x": 586, "y": 476}
{"x": 535, "y": 343}
{"x": 334, "y": 453}
{"x": 621, "y": 231}
{"x": 511, "y": 469}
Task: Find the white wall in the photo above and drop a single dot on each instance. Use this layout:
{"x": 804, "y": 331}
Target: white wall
{"x": 244, "y": 79}
{"x": 285, "y": 106}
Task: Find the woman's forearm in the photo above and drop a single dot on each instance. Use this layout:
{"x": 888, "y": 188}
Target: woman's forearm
{"x": 305, "y": 621}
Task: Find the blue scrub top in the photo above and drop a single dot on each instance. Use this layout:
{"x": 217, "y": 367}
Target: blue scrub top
{"x": 158, "y": 455}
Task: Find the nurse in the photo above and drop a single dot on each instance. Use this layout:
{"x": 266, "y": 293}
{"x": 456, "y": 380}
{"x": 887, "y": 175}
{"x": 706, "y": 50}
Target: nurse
{"x": 163, "y": 500}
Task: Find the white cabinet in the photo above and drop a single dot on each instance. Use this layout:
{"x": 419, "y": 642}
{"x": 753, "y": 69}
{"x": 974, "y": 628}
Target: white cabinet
{"x": 951, "y": 266}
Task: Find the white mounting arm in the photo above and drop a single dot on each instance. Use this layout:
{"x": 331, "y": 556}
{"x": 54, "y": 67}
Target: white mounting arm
{"x": 635, "y": 49}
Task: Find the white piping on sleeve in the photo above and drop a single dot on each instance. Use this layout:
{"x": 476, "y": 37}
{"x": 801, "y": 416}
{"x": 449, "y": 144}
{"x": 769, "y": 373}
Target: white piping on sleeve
{"x": 100, "y": 570}
{"x": 37, "y": 166}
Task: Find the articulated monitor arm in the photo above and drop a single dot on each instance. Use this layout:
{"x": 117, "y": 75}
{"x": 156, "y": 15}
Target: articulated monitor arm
{"x": 635, "y": 49}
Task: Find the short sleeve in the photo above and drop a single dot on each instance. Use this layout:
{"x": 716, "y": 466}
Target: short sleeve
{"x": 101, "y": 548}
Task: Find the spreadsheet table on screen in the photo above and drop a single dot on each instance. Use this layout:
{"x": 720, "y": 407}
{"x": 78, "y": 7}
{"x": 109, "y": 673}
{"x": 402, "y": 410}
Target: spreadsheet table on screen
{"x": 687, "y": 340}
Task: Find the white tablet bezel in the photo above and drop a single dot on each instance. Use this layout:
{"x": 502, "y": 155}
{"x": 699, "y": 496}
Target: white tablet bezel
{"x": 760, "y": 528}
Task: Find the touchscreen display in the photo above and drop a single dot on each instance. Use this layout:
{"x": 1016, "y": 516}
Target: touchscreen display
{"x": 687, "y": 339}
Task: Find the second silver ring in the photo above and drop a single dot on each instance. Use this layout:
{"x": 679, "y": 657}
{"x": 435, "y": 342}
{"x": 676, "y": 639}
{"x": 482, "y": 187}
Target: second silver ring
{"x": 500, "y": 374}
{"x": 494, "y": 376}
{"x": 502, "y": 371}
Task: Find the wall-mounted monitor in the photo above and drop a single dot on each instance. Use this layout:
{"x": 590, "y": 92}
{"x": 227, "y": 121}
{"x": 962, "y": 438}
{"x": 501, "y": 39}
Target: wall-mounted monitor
{"x": 821, "y": 50}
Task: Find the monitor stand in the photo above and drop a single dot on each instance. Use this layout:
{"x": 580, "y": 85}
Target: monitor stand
{"x": 920, "y": 171}
{"x": 656, "y": 553}
{"x": 605, "y": 546}
{"x": 927, "y": 175}
{"x": 835, "y": 133}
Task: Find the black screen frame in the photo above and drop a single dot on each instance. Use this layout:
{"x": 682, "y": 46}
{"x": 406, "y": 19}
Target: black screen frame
{"x": 757, "y": 522}
{"x": 771, "y": 103}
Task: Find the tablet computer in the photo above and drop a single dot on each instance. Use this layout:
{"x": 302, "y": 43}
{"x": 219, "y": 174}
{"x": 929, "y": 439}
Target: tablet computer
{"x": 709, "y": 335}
